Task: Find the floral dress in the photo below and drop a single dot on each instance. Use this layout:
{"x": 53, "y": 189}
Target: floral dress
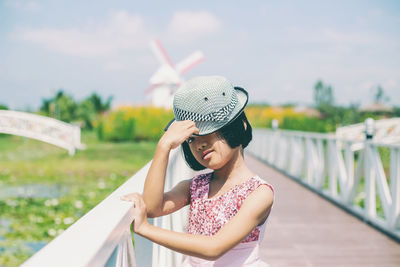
{"x": 208, "y": 215}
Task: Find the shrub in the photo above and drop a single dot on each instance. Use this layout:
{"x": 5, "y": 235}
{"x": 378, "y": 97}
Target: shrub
{"x": 133, "y": 123}
{"x": 304, "y": 123}
{"x": 288, "y": 118}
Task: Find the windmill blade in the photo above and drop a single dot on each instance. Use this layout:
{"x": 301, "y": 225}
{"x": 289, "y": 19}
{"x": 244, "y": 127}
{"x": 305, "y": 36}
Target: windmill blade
{"x": 160, "y": 53}
{"x": 189, "y": 62}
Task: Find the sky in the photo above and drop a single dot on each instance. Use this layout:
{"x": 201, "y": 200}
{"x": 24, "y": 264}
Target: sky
{"x": 276, "y": 50}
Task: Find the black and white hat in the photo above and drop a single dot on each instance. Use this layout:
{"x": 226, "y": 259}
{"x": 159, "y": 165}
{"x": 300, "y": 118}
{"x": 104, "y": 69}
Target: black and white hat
{"x": 210, "y": 101}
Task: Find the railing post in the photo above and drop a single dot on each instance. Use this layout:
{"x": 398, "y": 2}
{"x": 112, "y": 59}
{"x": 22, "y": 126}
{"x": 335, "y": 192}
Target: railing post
{"x": 271, "y": 141}
{"x": 395, "y": 187}
{"x": 332, "y": 148}
{"x": 275, "y": 124}
{"x": 320, "y": 178}
{"x": 369, "y": 128}
{"x": 292, "y": 157}
{"x": 264, "y": 146}
{"x": 357, "y": 178}
{"x": 349, "y": 158}
{"x": 370, "y": 192}
{"x": 300, "y": 155}
{"x": 309, "y": 171}
{"x": 126, "y": 253}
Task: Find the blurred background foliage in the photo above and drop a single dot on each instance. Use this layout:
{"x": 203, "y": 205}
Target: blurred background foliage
{"x": 323, "y": 116}
{"x": 2, "y": 106}
{"x": 135, "y": 123}
{"x": 64, "y": 107}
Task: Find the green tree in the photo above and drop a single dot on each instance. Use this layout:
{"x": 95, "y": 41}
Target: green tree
{"x": 62, "y": 107}
{"x": 396, "y": 111}
{"x": 90, "y": 108}
{"x": 350, "y": 115}
{"x": 3, "y": 106}
{"x": 323, "y": 96}
{"x": 86, "y": 113}
{"x": 380, "y": 95}
{"x": 98, "y": 104}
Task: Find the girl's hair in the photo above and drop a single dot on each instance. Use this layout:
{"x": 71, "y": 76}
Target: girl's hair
{"x": 235, "y": 134}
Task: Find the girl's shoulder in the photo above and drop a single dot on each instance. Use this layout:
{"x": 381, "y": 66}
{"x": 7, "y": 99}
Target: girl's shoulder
{"x": 198, "y": 185}
{"x": 202, "y": 179}
{"x": 257, "y": 181}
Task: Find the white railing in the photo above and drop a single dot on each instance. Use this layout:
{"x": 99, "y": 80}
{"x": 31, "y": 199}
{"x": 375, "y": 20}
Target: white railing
{"x": 337, "y": 168}
{"x": 383, "y": 130}
{"x": 41, "y": 128}
{"x": 102, "y": 237}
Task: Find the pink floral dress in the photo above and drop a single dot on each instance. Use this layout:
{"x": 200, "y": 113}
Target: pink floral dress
{"x": 208, "y": 215}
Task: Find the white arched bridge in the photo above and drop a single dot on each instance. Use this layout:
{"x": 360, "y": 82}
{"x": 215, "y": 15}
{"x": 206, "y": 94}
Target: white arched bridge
{"x": 41, "y": 128}
{"x": 336, "y": 204}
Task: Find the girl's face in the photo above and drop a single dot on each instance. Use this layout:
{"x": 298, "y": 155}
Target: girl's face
{"x": 211, "y": 151}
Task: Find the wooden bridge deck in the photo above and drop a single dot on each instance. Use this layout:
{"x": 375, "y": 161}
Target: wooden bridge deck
{"x": 304, "y": 229}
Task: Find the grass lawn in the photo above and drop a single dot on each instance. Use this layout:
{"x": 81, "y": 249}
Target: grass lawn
{"x": 43, "y": 190}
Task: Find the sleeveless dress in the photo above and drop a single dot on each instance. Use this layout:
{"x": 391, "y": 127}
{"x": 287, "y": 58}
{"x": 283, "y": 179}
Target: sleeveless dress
{"x": 208, "y": 215}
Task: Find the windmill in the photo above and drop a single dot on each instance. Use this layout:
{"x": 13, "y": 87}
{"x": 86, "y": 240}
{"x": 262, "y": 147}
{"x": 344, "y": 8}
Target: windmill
{"x": 167, "y": 78}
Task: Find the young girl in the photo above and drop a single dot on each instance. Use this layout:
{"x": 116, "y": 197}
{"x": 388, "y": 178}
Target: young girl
{"x": 228, "y": 206}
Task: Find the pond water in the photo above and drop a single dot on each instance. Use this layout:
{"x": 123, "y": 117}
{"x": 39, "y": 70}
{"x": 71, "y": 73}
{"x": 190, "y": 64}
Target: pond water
{"x": 32, "y": 246}
{"x": 25, "y": 191}
{"x": 32, "y": 190}
{"x": 4, "y": 228}
{"x": 35, "y": 246}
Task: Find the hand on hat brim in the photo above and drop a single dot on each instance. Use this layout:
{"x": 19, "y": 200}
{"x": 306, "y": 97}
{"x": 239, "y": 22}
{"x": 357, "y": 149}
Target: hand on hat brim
{"x": 169, "y": 124}
{"x": 177, "y": 133}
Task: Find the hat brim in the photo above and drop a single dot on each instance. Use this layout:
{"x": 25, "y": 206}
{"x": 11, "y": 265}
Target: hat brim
{"x": 243, "y": 98}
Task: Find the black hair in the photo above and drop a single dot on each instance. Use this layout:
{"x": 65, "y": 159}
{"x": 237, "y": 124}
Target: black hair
{"x": 235, "y": 134}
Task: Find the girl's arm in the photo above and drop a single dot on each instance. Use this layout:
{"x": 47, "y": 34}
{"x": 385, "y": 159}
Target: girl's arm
{"x": 254, "y": 211}
{"x": 157, "y": 202}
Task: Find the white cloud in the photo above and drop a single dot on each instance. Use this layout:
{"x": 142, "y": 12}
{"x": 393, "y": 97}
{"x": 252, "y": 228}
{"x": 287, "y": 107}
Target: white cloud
{"x": 121, "y": 31}
{"x": 23, "y": 5}
{"x": 188, "y": 26}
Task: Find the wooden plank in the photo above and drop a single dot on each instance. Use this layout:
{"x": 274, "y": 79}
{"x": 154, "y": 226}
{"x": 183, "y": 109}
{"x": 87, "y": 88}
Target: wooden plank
{"x": 304, "y": 229}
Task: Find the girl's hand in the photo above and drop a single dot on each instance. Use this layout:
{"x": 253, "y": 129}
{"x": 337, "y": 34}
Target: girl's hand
{"x": 177, "y": 133}
{"x": 139, "y": 211}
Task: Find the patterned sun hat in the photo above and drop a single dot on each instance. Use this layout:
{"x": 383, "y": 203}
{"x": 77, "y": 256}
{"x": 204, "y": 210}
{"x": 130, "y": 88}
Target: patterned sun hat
{"x": 210, "y": 101}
